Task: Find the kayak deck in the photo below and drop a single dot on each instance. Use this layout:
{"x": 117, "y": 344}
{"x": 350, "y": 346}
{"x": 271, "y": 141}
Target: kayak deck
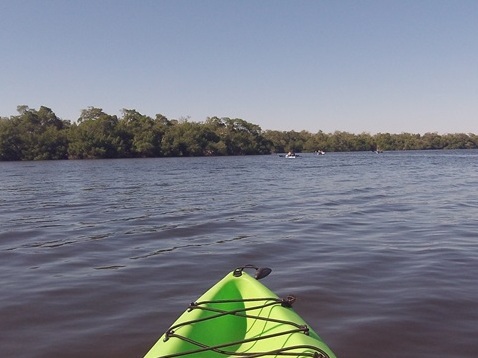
{"x": 240, "y": 317}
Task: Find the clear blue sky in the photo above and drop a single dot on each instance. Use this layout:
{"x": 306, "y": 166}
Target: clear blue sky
{"x": 355, "y": 66}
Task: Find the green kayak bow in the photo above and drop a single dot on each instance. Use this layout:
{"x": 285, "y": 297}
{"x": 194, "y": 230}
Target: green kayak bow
{"x": 240, "y": 317}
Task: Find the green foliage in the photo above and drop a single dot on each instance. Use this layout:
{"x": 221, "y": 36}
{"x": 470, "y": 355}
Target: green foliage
{"x": 41, "y": 135}
{"x": 10, "y": 140}
{"x": 96, "y": 136}
{"x": 141, "y": 134}
{"x": 33, "y": 135}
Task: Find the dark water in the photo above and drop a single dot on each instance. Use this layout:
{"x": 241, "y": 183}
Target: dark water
{"x": 97, "y": 258}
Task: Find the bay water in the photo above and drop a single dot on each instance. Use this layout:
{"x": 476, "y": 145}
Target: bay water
{"x": 99, "y": 257}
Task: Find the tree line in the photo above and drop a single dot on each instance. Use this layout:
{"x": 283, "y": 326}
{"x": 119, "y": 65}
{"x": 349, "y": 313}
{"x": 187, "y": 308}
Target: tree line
{"x": 41, "y": 135}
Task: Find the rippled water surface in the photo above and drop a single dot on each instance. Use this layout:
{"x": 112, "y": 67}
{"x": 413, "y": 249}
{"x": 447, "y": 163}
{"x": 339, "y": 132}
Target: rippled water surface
{"x": 97, "y": 258}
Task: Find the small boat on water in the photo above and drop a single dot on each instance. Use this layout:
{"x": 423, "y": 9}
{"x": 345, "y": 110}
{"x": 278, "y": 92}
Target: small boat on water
{"x": 240, "y": 317}
{"x": 291, "y": 155}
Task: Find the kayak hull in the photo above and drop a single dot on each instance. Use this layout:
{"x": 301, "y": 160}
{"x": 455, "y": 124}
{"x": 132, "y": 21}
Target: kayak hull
{"x": 240, "y": 317}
